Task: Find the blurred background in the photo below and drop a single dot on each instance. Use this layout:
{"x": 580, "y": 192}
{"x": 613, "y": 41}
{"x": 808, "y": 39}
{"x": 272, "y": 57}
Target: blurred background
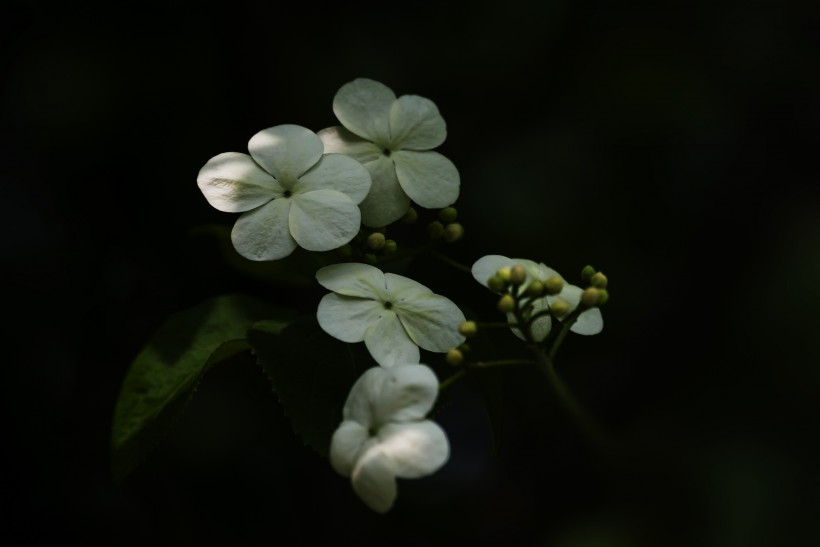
{"x": 671, "y": 146}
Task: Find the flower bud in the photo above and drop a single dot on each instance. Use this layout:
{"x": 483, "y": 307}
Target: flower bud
{"x": 468, "y": 328}
{"x": 554, "y": 285}
{"x": 390, "y": 246}
{"x": 599, "y": 280}
{"x": 589, "y": 297}
{"x": 518, "y": 275}
{"x": 497, "y": 284}
{"x": 454, "y": 356}
{"x": 504, "y": 274}
{"x": 535, "y": 289}
{"x": 453, "y": 232}
{"x": 375, "y": 241}
{"x": 435, "y": 229}
{"x": 345, "y": 251}
{"x": 603, "y": 296}
{"x": 506, "y": 304}
{"x": 559, "y": 308}
{"x": 448, "y": 215}
{"x": 410, "y": 217}
{"x": 370, "y": 258}
{"x": 587, "y": 273}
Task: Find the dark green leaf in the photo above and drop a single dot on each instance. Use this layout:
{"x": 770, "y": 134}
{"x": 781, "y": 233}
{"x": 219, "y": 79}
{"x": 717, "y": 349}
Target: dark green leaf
{"x": 490, "y": 385}
{"x": 163, "y": 377}
{"x": 312, "y": 374}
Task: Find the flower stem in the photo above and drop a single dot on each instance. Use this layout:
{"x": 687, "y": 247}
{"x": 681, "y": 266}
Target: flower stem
{"x": 502, "y": 362}
{"x": 454, "y": 263}
{"x": 451, "y": 380}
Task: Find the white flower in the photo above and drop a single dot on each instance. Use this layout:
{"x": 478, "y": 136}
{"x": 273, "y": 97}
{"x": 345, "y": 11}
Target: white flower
{"x": 289, "y": 193}
{"x": 393, "y": 139}
{"x": 588, "y": 322}
{"x": 394, "y": 315}
{"x": 384, "y": 434}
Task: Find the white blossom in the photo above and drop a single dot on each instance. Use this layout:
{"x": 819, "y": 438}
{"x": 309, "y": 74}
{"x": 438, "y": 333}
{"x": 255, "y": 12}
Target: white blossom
{"x": 393, "y": 138}
{"x": 588, "y": 322}
{"x": 392, "y": 314}
{"x": 384, "y": 435}
{"x": 288, "y": 192}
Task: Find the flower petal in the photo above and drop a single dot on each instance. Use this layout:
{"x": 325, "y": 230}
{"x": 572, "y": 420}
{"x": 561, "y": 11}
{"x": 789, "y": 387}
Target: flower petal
{"x": 363, "y": 107}
{"x": 354, "y": 279}
{"x": 336, "y": 172}
{"x": 415, "y": 124}
{"x": 431, "y": 321}
{"x": 286, "y": 151}
{"x": 339, "y": 140}
{"x": 400, "y": 288}
{"x": 540, "y": 328}
{"x": 487, "y": 266}
{"x": 386, "y": 201}
{"x": 322, "y": 220}
{"x": 415, "y": 449}
{"x": 400, "y": 394}
{"x": 347, "y": 318}
{"x": 234, "y": 183}
{"x": 388, "y": 343}
{"x": 263, "y": 234}
{"x": 349, "y": 441}
{"x": 430, "y": 179}
{"x": 589, "y": 322}
{"x": 373, "y": 480}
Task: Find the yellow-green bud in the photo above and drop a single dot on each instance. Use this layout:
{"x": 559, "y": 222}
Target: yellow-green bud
{"x": 345, "y": 251}
{"x": 454, "y": 356}
{"x": 453, "y": 232}
{"x": 506, "y": 304}
{"x": 448, "y": 215}
{"x": 504, "y": 274}
{"x": 518, "y": 275}
{"x": 410, "y": 216}
{"x": 465, "y": 348}
{"x": 370, "y": 258}
{"x": 375, "y": 241}
{"x": 554, "y": 285}
{"x": 390, "y": 246}
{"x": 603, "y": 296}
{"x": 559, "y": 308}
{"x": 587, "y": 273}
{"x": 599, "y": 280}
{"x": 535, "y": 289}
{"x": 435, "y": 229}
{"x": 468, "y": 328}
{"x": 497, "y": 284}
{"x": 590, "y": 296}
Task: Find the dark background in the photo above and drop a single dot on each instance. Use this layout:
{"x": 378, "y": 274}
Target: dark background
{"x": 671, "y": 146}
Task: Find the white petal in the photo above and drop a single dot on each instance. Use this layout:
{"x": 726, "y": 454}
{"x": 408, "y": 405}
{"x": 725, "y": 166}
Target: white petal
{"x": 415, "y": 449}
{"x": 263, "y": 234}
{"x": 400, "y": 394}
{"x": 374, "y": 481}
{"x": 431, "y": 321}
{"x": 541, "y": 327}
{"x": 363, "y": 107}
{"x": 339, "y": 140}
{"x": 336, "y": 172}
{"x": 286, "y": 151}
{"x": 487, "y": 266}
{"x": 347, "y": 318}
{"x": 386, "y": 201}
{"x": 349, "y": 441}
{"x": 415, "y": 124}
{"x": 234, "y": 183}
{"x": 430, "y": 179}
{"x": 353, "y": 279}
{"x": 388, "y": 343}
{"x": 400, "y": 288}
{"x": 323, "y": 219}
{"x": 589, "y": 322}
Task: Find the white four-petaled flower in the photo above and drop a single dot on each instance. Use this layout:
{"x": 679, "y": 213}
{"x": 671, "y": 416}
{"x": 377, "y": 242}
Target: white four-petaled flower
{"x": 392, "y": 314}
{"x": 384, "y": 435}
{"x": 393, "y": 138}
{"x": 289, "y": 193}
{"x": 588, "y": 322}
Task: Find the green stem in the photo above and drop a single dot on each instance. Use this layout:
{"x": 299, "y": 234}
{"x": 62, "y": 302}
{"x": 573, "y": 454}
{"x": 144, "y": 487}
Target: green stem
{"x": 451, "y": 380}
{"x": 454, "y": 263}
{"x": 558, "y": 340}
{"x": 502, "y": 362}
{"x": 497, "y": 325}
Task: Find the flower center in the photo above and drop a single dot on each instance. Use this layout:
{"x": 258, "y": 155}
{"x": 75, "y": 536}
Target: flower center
{"x": 287, "y": 193}
{"x": 388, "y": 305}
{"x": 387, "y": 152}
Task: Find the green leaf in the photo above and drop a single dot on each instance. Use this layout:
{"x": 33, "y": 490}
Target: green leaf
{"x": 163, "y": 377}
{"x": 312, "y": 374}
{"x": 490, "y": 385}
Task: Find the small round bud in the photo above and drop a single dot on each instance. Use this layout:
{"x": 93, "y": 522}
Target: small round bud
{"x": 375, "y": 241}
{"x": 506, "y": 304}
{"x": 453, "y": 232}
{"x": 603, "y": 296}
{"x": 554, "y": 285}
{"x": 598, "y": 280}
{"x": 468, "y": 328}
{"x": 454, "y": 356}
{"x": 535, "y": 289}
{"x": 559, "y": 308}
{"x": 589, "y": 297}
{"x": 587, "y": 273}
{"x": 435, "y": 229}
{"x": 497, "y": 284}
{"x": 345, "y": 251}
{"x": 504, "y": 274}
{"x": 465, "y": 348}
{"x": 410, "y": 217}
{"x": 448, "y": 215}
{"x": 518, "y": 275}
{"x": 370, "y": 258}
{"x": 390, "y": 247}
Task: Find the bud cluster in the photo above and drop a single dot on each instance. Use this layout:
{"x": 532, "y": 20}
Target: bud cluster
{"x": 446, "y": 227}
{"x": 368, "y": 246}
{"x": 596, "y": 293}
